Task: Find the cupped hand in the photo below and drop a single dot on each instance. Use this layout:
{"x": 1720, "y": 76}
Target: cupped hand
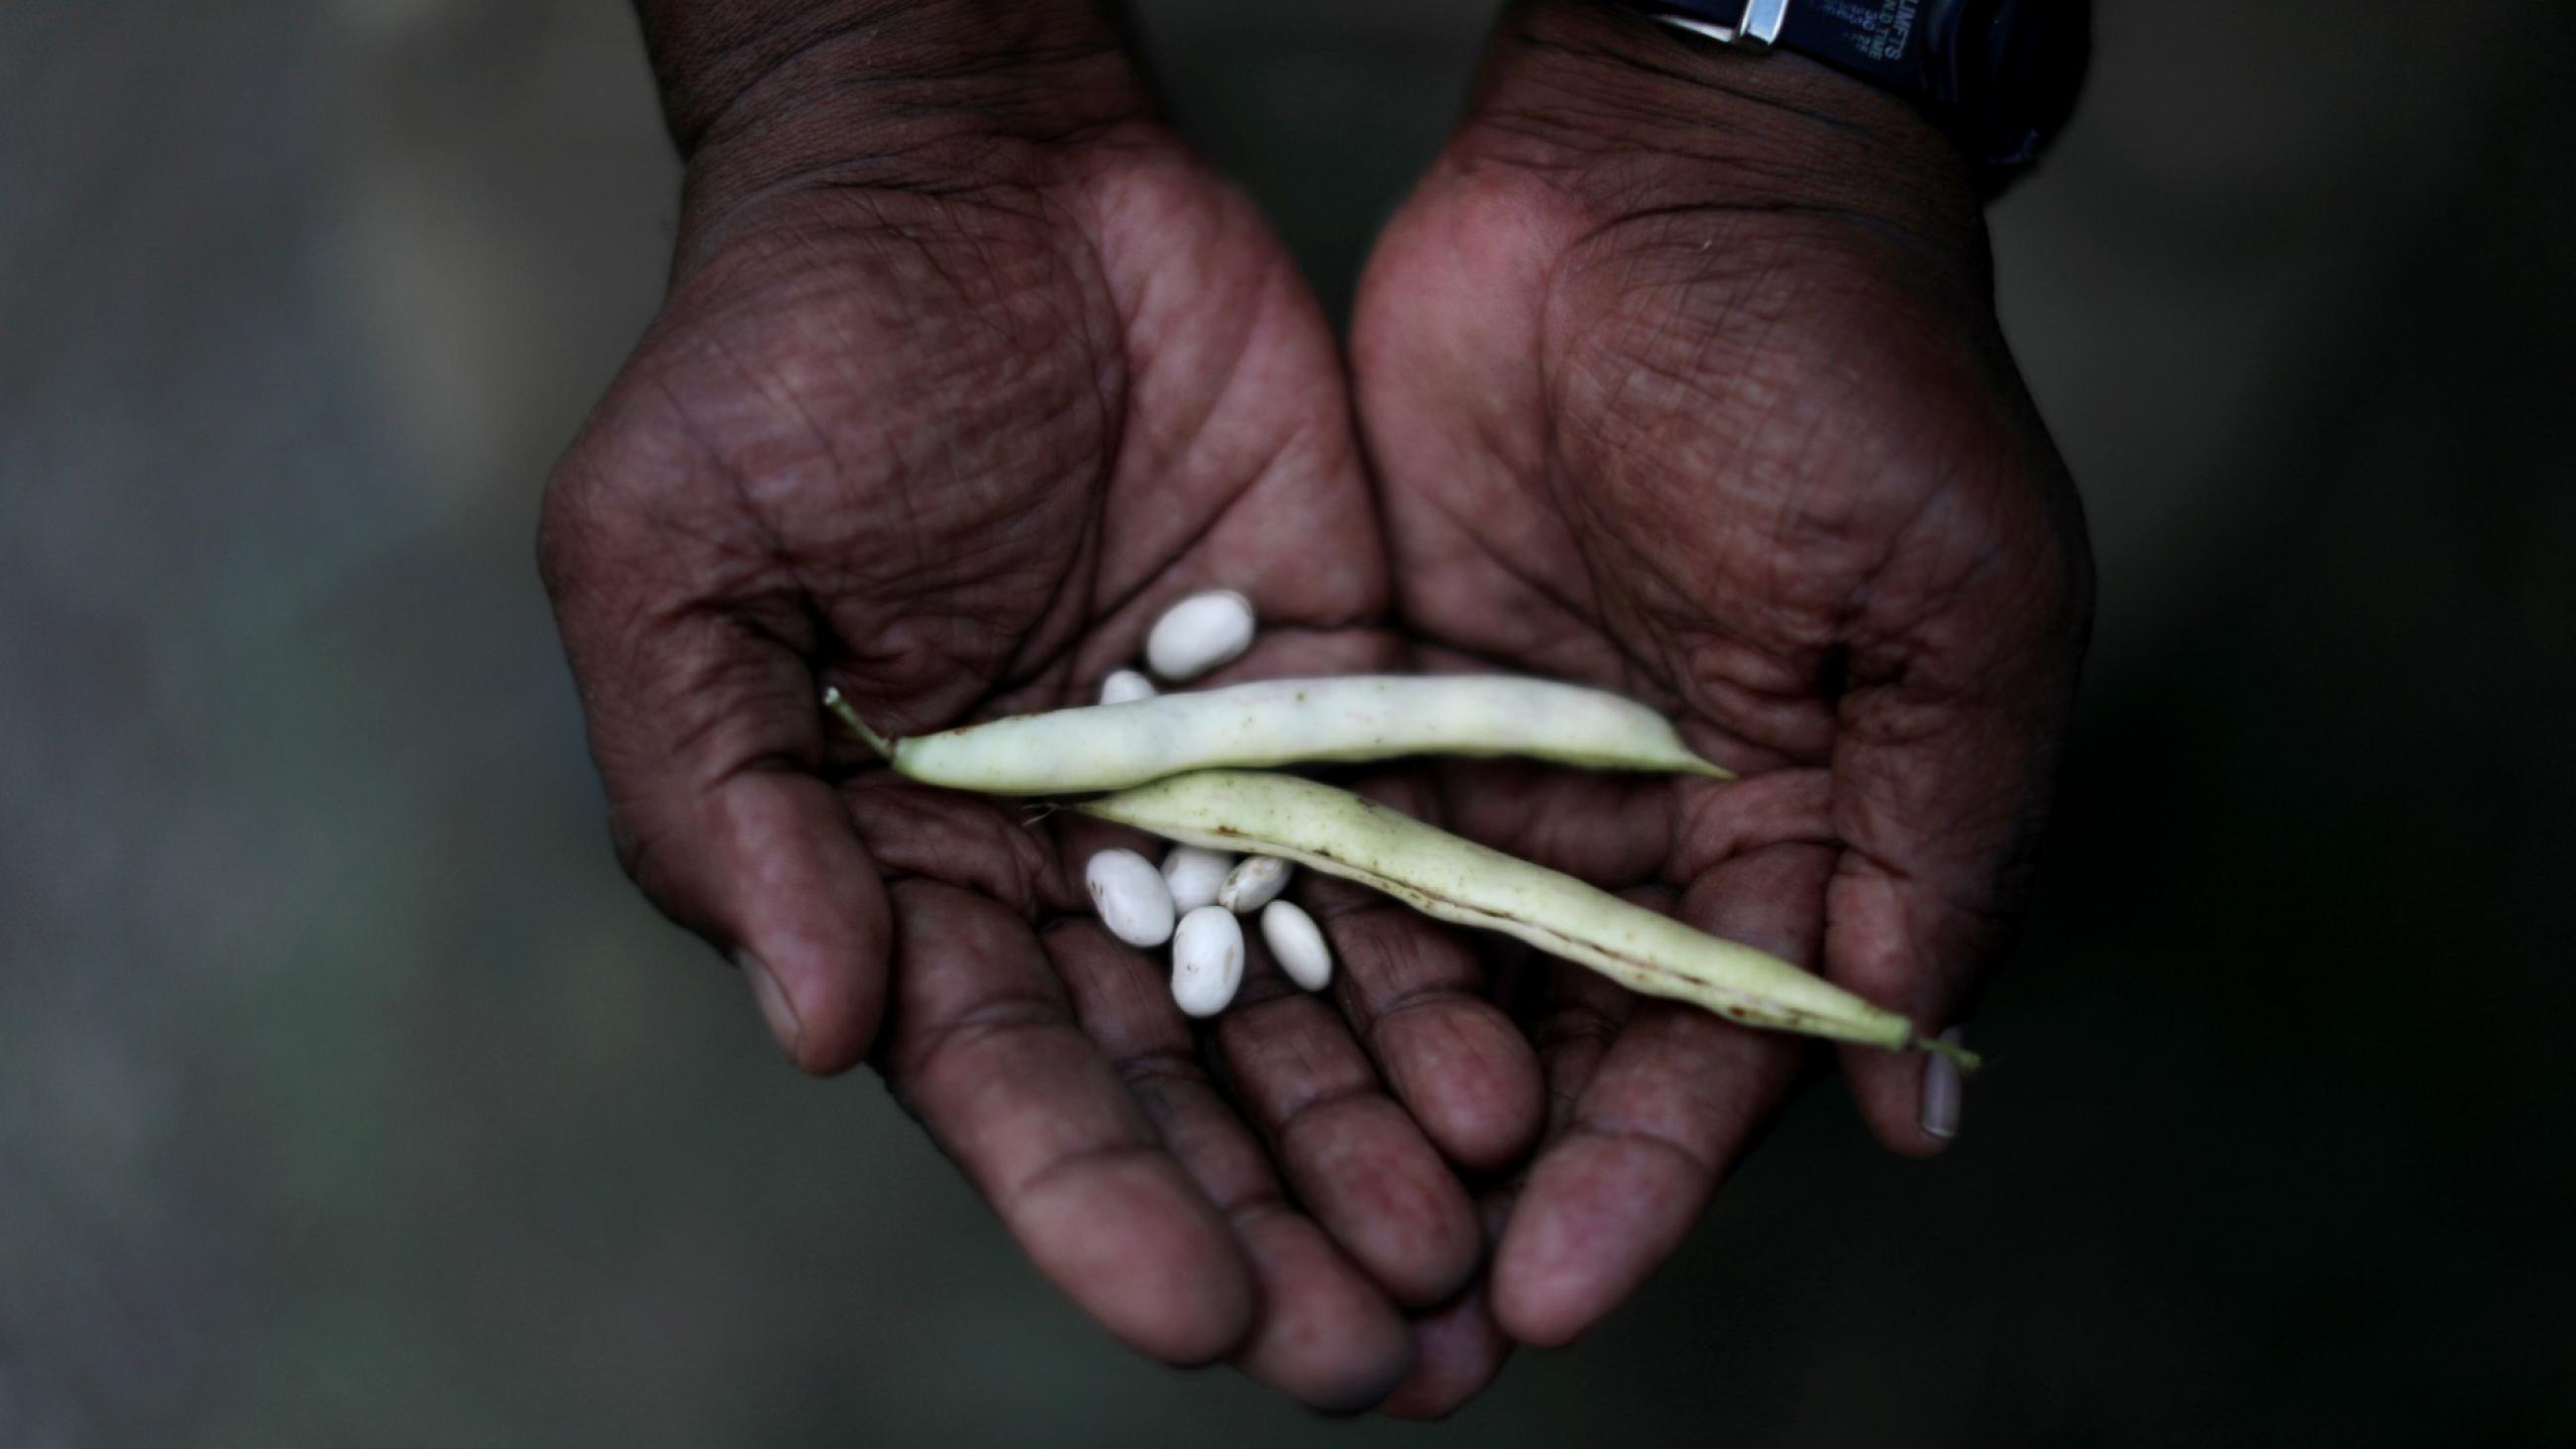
{"x": 1681, "y": 375}
{"x": 944, "y": 415}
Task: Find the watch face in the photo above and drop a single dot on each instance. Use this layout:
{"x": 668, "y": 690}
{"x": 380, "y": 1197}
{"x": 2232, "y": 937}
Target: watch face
{"x": 2020, "y": 64}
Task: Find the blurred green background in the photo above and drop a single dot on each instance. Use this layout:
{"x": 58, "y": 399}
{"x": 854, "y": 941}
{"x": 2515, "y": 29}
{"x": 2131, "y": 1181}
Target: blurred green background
{"x": 349, "y": 1097}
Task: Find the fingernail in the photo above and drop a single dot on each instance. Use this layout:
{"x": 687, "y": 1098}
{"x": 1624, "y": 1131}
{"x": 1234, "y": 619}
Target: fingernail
{"x": 775, "y": 1008}
{"x": 1941, "y": 1090}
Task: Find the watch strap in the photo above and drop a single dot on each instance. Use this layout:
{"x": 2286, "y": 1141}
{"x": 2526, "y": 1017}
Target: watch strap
{"x": 2000, "y": 76}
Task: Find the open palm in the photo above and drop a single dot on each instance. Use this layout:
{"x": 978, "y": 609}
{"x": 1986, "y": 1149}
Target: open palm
{"x": 1668, "y": 381}
{"x": 1698, "y": 395}
{"x": 951, "y": 450}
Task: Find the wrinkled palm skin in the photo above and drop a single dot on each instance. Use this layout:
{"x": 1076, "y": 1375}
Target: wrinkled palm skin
{"x": 949, "y": 436}
{"x": 1681, "y": 375}
{"x": 945, "y": 411}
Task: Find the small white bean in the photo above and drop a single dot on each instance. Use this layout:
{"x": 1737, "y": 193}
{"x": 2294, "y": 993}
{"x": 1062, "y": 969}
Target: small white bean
{"x": 1207, "y": 960}
{"x": 1195, "y": 875}
{"x": 1133, "y": 901}
{"x": 1126, "y": 686}
{"x": 1254, "y": 884}
{"x": 1297, "y": 944}
{"x": 1199, "y": 633}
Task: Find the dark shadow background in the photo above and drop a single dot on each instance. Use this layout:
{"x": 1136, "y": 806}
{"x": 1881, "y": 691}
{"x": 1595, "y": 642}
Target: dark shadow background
{"x": 349, "y": 1097}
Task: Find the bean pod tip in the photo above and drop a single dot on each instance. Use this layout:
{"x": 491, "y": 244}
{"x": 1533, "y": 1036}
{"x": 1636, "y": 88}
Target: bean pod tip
{"x": 1969, "y": 1062}
{"x": 840, "y": 708}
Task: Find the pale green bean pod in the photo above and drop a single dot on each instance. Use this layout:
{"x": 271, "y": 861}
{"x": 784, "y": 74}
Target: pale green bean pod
{"x": 1289, "y": 721}
{"x": 1439, "y": 874}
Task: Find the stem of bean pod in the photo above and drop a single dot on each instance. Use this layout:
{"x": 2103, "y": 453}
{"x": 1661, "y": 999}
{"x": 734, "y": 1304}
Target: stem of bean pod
{"x": 839, "y": 706}
{"x": 1969, "y": 1062}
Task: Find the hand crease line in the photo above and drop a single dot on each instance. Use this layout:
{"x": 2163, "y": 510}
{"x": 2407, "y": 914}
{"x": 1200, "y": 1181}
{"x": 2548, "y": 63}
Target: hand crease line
{"x": 1330, "y": 1096}
{"x": 1553, "y": 597}
{"x": 993, "y": 1018}
{"x": 1414, "y": 998}
{"x": 1587, "y": 1125}
{"x": 747, "y": 505}
{"x": 1098, "y": 1154}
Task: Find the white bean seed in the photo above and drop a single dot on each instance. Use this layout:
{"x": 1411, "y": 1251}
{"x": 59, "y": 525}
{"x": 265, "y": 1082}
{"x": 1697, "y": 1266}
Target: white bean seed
{"x": 1254, "y": 884}
{"x": 1207, "y": 960}
{"x": 1126, "y": 686}
{"x": 1133, "y": 901}
{"x": 1199, "y": 633}
{"x": 1297, "y": 944}
{"x": 1195, "y": 876}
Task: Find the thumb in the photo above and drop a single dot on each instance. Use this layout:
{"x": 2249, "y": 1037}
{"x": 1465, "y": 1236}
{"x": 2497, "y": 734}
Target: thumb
{"x": 709, "y": 738}
{"x": 1943, "y": 771}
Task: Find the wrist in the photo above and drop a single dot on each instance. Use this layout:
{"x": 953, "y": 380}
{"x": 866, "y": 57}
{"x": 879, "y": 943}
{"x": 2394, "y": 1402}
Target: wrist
{"x": 1598, "y": 92}
{"x": 920, "y": 93}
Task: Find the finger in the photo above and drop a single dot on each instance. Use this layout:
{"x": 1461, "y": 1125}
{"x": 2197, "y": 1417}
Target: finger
{"x": 1355, "y": 1159}
{"x": 706, "y": 733}
{"x": 1323, "y": 1332}
{"x": 1676, "y": 1098}
{"x": 1458, "y": 1348}
{"x": 1674, "y": 1104}
{"x": 1415, "y": 993}
{"x": 1458, "y": 1351}
{"x": 1916, "y": 924}
{"x": 1418, "y": 996}
{"x": 984, "y": 1049}
{"x": 1358, "y": 1163}
{"x": 1942, "y": 775}
{"x": 1580, "y": 1017}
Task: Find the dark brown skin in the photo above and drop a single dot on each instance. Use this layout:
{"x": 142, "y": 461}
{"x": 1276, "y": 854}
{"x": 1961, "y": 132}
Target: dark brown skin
{"x": 959, "y": 383}
{"x": 1680, "y": 375}
{"x": 969, "y": 368}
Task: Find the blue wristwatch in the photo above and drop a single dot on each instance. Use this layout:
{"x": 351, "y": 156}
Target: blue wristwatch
{"x": 2000, "y": 76}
